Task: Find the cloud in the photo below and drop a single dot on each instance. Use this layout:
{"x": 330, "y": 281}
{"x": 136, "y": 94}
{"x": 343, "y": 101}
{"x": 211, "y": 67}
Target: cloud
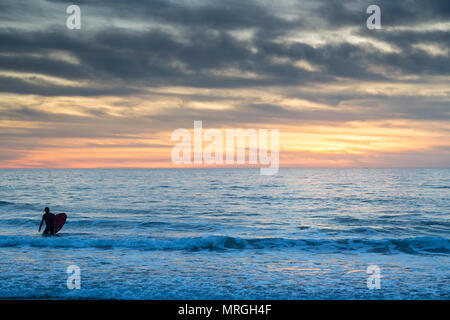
{"x": 394, "y": 13}
{"x": 152, "y": 66}
{"x": 199, "y": 50}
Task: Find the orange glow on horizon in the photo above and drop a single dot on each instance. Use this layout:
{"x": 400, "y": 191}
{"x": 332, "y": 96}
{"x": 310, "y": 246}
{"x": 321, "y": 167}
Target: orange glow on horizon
{"x": 356, "y": 144}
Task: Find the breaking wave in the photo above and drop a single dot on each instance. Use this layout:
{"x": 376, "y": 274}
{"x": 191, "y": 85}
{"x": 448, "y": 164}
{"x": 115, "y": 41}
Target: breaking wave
{"x": 417, "y": 245}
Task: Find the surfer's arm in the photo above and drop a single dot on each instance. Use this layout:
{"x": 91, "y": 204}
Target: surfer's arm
{"x": 40, "y": 226}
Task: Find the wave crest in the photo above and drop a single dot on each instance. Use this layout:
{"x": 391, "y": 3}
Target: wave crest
{"x": 417, "y": 245}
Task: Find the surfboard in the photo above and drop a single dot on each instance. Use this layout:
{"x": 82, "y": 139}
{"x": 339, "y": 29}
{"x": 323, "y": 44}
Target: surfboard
{"x": 59, "y": 221}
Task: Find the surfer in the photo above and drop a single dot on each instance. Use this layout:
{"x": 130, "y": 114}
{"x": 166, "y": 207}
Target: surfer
{"x": 49, "y": 219}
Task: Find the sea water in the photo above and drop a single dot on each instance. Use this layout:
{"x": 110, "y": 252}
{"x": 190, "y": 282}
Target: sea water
{"x": 227, "y": 233}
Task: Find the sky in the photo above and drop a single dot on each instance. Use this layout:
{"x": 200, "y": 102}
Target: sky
{"x": 111, "y": 93}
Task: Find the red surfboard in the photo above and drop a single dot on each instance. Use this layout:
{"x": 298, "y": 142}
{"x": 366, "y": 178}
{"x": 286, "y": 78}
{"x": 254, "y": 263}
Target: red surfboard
{"x": 59, "y": 221}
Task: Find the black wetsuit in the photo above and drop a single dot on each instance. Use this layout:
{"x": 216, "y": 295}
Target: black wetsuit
{"x": 49, "y": 219}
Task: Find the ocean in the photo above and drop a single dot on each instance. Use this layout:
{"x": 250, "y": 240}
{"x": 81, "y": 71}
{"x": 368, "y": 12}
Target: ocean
{"x": 227, "y": 233}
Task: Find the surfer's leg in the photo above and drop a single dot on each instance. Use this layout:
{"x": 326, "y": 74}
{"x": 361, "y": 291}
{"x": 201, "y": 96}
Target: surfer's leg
{"x": 46, "y": 230}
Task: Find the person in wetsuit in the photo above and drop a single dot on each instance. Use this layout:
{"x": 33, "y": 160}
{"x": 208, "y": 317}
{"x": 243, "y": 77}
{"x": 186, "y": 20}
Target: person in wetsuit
{"x": 49, "y": 219}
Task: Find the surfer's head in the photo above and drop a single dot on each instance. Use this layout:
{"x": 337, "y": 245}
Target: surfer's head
{"x": 47, "y": 210}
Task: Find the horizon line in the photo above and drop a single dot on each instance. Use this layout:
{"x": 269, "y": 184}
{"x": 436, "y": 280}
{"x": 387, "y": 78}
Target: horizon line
{"x": 211, "y": 168}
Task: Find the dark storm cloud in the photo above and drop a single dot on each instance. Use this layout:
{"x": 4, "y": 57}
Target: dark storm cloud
{"x": 393, "y": 13}
{"x": 202, "y": 45}
{"x": 43, "y": 65}
{"x": 157, "y": 57}
{"x": 223, "y": 15}
{"x": 237, "y": 14}
{"x": 375, "y": 109}
{"x": 368, "y": 110}
{"x": 30, "y": 114}
{"x": 405, "y": 39}
{"x": 19, "y": 86}
{"x": 337, "y": 60}
{"x": 153, "y": 57}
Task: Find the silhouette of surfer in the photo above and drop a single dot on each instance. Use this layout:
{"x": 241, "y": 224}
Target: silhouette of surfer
{"x": 49, "y": 219}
